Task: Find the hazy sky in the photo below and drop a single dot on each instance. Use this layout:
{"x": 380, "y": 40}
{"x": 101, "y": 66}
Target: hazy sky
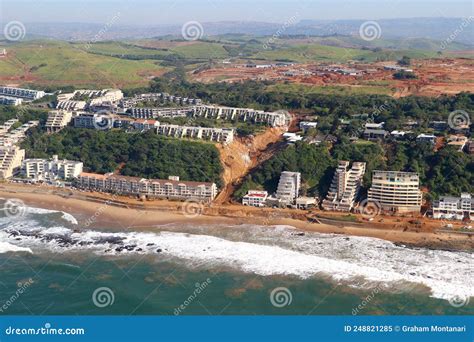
{"x": 149, "y": 12}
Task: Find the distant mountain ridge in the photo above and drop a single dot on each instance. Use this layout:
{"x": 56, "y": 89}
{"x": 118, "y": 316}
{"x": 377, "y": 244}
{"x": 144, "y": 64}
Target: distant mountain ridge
{"x": 459, "y": 30}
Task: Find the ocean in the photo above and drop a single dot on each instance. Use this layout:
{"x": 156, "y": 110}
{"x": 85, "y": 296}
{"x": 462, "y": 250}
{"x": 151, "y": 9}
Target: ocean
{"x": 50, "y": 265}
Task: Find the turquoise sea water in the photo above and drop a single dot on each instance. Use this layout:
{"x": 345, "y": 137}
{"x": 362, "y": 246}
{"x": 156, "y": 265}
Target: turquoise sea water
{"x": 63, "y": 268}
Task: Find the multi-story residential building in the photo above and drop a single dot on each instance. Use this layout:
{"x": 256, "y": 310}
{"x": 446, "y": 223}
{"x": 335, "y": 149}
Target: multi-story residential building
{"x": 71, "y": 105}
{"x": 13, "y": 137}
{"x": 288, "y": 187}
{"x": 395, "y": 191}
{"x": 158, "y": 97}
{"x": 145, "y": 125}
{"x": 255, "y": 198}
{"x": 25, "y": 94}
{"x": 152, "y": 188}
{"x": 454, "y": 208}
{"x": 57, "y": 120}
{"x": 345, "y": 186}
{"x": 51, "y": 169}
{"x": 10, "y": 161}
{"x": 223, "y": 135}
{"x": 84, "y": 98}
{"x": 10, "y": 101}
{"x": 153, "y": 113}
{"x": 242, "y": 114}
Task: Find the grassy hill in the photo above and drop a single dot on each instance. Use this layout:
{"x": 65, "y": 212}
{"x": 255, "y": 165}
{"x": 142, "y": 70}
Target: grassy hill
{"x": 46, "y": 63}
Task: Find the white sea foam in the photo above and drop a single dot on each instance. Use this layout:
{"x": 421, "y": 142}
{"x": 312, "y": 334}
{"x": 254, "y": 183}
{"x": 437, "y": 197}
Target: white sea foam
{"x": 8, "y": 247}
{"x": 357, "y": 261}
{"x": 66, "y": 216}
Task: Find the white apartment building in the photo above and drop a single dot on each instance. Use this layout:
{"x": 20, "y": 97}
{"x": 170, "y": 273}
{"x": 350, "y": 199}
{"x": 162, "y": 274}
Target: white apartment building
{"x": 70, "y": 105}
{"x": 25, "y": 94}
{"x": 345, "y": 186}
{"x": 153, "y": 113}
{"x": 274, "y": 119}
{"x": 159, "y": 97}
{"x": 454, "y": 208}
{"x": 255, "y": 198}
{"x": 10, "y": 101}
{"x": 51, "y": 169}
{"x": 152, "y": 188}
{"x": 288, "y": 187}
{"x": 397, "y": 192}
{"x": 13, "y": 137}
{"x": 57, "y": 120}
{"x": 145, "y": 125}
{"x": 10, "y": 161}
{"x": 223, "y": 135}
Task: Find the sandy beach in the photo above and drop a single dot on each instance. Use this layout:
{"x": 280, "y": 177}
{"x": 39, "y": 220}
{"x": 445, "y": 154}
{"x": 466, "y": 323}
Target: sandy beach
{"x": 122, "y": 213}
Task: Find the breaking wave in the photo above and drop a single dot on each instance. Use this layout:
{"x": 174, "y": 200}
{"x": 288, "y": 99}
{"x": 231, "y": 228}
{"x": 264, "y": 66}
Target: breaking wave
{"x": 266, "y": 251}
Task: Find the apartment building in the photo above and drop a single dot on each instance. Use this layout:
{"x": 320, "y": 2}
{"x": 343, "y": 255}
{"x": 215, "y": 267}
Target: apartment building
{"x": 57, "y": 120}
{"x": 25, "y": 94}
{"x": 153, "y": 113}
{"x": 9, "y": 137}
{"x": 70, "y": 105}
{"x": 395, "y": 191}
{"x": 158, "y": 97}
{"x": 152, "y": 188}
{"x": 143, "y": 125}
{"x": 51, "y": 169}
{"x": 223, "y": 135}
{"x": 7, "y": 125}
{"x": 274, "y": 119}
{"x": 10, "y": 101}
{"x": 288, "y": 187}
{"x": 255, "y": 198}
{"x": 345, "y": 186}
{"x": 11, "y": 158}
{"x": 454, "y": 208}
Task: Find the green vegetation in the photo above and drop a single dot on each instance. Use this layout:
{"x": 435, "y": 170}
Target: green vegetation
{"x": 22, "y": 113}
{"x": 58, "y": 63}
{"x": 143, "y": 155}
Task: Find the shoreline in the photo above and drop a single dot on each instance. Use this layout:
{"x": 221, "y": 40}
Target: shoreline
{"x": 123, "y": 213}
